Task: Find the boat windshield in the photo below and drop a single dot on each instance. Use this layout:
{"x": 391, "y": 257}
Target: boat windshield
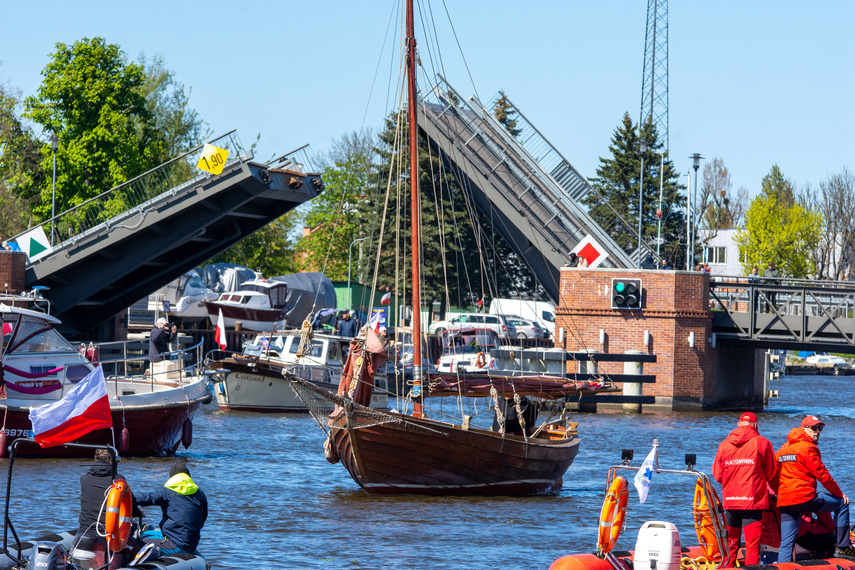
{"x": 33, "y": 335}
{"x": 317, "y": 350}
{"x": 457, "y": 342}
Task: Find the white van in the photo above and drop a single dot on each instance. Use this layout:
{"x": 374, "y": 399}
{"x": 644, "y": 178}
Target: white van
{"x": 539, "y": 311}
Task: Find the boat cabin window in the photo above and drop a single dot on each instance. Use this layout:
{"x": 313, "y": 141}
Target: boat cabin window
{"x": 277, "y": 294}
{"x": 36, "y": 335}
{"x": 334, "y": 352}
{"x": 317, "y": 350}
{"x": 491, "y": 320}
{"x": 244, "y": 300}
{"x": 547, "y": 316}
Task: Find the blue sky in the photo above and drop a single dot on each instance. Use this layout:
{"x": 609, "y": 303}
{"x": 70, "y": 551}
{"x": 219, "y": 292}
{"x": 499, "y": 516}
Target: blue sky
{"x": 752, "y": 82}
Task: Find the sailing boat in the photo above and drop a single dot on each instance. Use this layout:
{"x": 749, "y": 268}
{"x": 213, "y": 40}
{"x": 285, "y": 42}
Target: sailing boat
{"x": 390, "y": 452}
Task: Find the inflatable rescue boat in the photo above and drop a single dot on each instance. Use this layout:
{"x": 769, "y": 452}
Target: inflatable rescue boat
{"x": 55, "y": 552}
{"x": 658, "y": 545}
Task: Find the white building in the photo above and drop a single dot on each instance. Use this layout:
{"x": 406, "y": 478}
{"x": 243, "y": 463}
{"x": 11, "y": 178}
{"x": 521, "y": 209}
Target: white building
{"x": 721, "y": 252}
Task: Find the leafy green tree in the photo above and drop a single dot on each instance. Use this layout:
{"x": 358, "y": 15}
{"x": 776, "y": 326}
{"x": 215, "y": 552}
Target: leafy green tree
{"x": 786, "y": 236}
{"x": 332, "y": 217}
{"x": 20, "y": 166}
{"x": 616, "y": 191}
{"x": 504, "y": 111}
{"x": 92, "y": 98}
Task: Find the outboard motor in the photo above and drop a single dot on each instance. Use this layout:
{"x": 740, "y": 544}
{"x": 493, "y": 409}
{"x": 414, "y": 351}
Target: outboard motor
{"x": 658, "y": 546}
{"x": 48, "y": 556}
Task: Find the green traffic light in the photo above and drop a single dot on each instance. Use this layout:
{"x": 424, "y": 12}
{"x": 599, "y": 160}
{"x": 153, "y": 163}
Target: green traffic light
{"x": 619, "y": 287}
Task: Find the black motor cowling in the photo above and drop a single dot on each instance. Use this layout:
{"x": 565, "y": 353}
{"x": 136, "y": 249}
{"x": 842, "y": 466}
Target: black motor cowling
{"x": 48, "y": 556}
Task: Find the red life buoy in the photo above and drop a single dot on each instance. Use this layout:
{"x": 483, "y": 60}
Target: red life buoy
{"x": 119, "y": 515}
{"x": 480, "y": 361}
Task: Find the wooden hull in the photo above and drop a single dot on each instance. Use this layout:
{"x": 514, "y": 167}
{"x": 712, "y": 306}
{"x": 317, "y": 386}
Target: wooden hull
{"x": 262, "y": 388}
{"x": 421, "y": 456}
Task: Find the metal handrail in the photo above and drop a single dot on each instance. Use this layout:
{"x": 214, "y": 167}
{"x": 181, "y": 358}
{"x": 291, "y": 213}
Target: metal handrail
{"x": 111, "y": 206}
{"x": 123, "y": 362}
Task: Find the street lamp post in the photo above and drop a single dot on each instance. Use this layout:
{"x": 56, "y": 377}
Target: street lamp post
{"x": 349, "y": 253}
{"x": 642, "y": 146}
{"x": 696, "y": 162}
{"x": 54, "y": 144}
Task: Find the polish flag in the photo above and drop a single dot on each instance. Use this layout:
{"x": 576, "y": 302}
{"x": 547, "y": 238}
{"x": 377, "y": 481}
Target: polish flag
{"x": 83, "y": 409}
{"x": 387, "y": 298}
{"x": 220, "y": 333}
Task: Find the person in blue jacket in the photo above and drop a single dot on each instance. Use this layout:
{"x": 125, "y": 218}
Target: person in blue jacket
{"x": 184, "y": 507}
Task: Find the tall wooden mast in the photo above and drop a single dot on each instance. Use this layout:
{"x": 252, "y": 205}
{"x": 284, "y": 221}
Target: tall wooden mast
{"x": 415, "y": 220}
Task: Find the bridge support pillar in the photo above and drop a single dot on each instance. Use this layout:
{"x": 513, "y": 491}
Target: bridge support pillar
{"x": 674, "y": 323}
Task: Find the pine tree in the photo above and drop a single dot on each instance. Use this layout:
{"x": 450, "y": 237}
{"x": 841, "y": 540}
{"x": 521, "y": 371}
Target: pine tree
{"x": 617, "y": 189}
{"x": 504, "y": 111}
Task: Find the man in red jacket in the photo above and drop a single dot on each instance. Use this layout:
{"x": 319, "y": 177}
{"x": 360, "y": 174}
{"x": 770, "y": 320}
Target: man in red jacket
{"x": 801, "y": 467}
{"x": 744, "y": 465}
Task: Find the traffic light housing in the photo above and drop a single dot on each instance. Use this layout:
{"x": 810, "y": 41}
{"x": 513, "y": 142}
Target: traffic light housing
{"x": 626, "y": 293}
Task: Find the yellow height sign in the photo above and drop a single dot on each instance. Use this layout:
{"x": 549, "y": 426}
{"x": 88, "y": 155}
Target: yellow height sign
{"x": 213, "y": 159}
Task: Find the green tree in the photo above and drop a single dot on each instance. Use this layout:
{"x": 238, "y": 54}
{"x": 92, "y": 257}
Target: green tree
{"x": 616, "y": 192}
{"x": 778, "y": 188}
{"x": 92, "y": 98}
{"x": 349, "y": 178}
{"x": 505, "y": 112}
{"x": 786, "y": 236}
{"x": 20, "y": 166}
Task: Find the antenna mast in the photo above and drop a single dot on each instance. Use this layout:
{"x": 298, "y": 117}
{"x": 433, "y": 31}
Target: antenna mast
{"x": 654, "y": 87}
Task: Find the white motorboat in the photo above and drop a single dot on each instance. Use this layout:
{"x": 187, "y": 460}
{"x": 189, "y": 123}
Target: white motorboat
{"x": 259, "y": 305}
{"x": 253, "y": 381}
{"x": 152, "y": 406}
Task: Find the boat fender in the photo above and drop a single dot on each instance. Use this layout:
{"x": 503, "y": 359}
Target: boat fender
{"x": 187, "y": 433}
{"x": 3, "y": 442}
{"x": 480, "y": 361}
{"x": 125, "y": 441}
{"x": 118, "y": 518}
{"x": 330, "y": 452}
{"x": 613, "y": 515}
{"x": 704, "y": 524}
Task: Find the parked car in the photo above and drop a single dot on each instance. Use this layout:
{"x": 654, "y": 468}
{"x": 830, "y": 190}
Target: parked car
{"x": 497, "y": 323}
{"x": 526, "y": 328}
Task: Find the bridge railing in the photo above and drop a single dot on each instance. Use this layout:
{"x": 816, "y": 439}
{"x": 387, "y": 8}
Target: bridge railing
{"x": 130, "y": 198}
{"x": 795, "y": 310}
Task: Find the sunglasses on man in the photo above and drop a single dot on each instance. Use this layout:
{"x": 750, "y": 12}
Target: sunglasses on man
{"x": 816, "y": 428}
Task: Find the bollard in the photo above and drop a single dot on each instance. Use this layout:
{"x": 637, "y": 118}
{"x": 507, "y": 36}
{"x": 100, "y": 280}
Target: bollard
{"x": 632, "y": 388}
{"x": 588, "y": 367}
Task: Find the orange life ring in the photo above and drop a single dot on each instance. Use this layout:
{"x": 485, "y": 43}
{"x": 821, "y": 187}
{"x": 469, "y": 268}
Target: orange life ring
{"x": 705, "y": 526}
{"x": 119, "y": 515}
{"x": 480, "y": 361}
{"x": 613, "y": 515}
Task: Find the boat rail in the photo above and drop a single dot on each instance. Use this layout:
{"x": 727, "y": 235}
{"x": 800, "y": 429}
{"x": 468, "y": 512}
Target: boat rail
{"x": 133, "y": 366}
{"x": 715, "y": 510}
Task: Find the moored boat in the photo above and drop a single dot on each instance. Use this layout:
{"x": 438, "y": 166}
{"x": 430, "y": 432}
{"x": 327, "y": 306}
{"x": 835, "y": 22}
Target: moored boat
{"x": 152, "y": 409}
{"x": 259, "y": 305}
{"x": 253, "y": 381}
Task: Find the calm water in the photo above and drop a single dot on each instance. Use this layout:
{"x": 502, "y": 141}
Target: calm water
{"x": 276, "y": 503}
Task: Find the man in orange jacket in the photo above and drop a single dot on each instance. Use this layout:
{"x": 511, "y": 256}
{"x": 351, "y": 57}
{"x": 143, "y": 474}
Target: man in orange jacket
{"x": 801, "y": 466}
{"x": 744, "y": 465}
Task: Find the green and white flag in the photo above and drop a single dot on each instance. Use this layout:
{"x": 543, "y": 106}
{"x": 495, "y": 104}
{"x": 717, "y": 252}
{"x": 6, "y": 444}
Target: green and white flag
{"x": 35, "y": 244}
